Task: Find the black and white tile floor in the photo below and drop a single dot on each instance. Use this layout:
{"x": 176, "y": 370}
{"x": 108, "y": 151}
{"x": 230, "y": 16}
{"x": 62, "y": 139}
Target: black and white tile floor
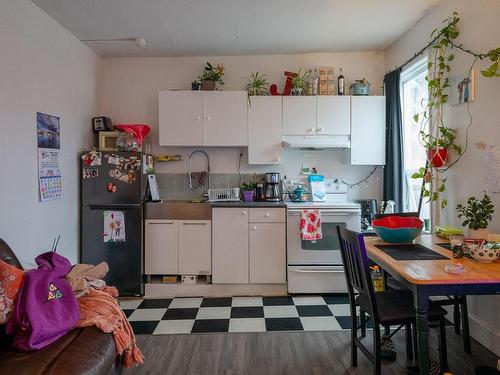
{"x": 238, "y": 314}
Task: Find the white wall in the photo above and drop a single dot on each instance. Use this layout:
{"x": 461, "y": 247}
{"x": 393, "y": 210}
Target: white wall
{"x": 480, "y": 30}
{"x": 42, "y": 68}
{"x": 128, "y": 92}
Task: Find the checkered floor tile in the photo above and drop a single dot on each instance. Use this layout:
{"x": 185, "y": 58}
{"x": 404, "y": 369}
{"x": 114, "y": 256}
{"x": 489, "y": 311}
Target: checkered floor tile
{"x": 238, "y": 314}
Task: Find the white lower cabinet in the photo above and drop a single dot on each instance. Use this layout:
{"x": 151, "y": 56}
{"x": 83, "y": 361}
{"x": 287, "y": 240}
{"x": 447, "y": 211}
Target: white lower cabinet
{"x": 230, "y": 245}
{"x": 267, "y": 253}
{"x": 195, "y": 247}
{"x": 161, "y": 244}
{"x": 248, "y": 246}
{"x": 175, "y": 247}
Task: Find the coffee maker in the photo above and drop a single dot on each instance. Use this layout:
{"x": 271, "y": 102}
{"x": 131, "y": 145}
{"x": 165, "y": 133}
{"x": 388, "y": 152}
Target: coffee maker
{"x": 369, "y": 208}
{"x": 273, "y": 190}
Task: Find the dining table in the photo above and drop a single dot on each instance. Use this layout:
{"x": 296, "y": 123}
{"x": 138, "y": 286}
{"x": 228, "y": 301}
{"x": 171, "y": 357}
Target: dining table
{"x": 427, "y": 277}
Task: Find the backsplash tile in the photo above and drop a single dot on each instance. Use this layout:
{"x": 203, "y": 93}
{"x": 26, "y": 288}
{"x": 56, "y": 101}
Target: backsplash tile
{"x": 176, "y": 185}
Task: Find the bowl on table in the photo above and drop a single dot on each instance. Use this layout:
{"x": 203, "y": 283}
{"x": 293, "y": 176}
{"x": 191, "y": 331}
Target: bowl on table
{"x": 486, "y": 253}
{"x": 398, "y": 229}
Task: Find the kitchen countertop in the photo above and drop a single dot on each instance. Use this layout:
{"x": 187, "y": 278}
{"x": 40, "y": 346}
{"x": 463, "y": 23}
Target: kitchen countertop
{"x": 249, "y": 204}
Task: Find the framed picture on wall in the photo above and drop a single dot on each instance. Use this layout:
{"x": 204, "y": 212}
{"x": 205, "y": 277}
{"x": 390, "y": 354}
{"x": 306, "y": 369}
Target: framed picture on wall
{"x": 462, "y": 88}
{"x": 48, "y": 131}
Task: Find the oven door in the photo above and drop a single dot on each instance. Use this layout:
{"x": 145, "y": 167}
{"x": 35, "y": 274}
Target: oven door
{"x": 325, "y": 251}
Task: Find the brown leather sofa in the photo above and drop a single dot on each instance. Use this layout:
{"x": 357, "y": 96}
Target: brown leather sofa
{"x": 82, "y": 351}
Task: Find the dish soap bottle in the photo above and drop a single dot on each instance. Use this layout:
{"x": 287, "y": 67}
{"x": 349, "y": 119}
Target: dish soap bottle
{"x": 377, "y": 279}
{"x": 341, "y": 83}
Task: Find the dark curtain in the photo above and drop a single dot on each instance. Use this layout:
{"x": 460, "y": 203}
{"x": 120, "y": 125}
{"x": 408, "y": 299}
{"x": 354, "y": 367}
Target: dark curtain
{"x": 393, "y": 171}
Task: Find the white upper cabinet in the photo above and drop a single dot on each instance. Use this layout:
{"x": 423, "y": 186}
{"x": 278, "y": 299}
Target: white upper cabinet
{"x": 225, "y": 116}
{"x": 265, "y": 130}
{"x": 333, "y": 115}
{"x": 299, "y": 115}
{"x": 181, "y": 118}
{"x": 203, "y": 118}
{"x": 368, "y": 130}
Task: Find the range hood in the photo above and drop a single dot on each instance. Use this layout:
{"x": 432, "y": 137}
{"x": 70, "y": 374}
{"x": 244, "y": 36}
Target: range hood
{"x": 316, "y": 141}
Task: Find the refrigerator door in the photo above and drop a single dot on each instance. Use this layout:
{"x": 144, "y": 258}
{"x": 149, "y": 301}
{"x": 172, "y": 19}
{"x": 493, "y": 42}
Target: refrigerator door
{"x": 124, "y": 258}
{"x": 100, "y": 184}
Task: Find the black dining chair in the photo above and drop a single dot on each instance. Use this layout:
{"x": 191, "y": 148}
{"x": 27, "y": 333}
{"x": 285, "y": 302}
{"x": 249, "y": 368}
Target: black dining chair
{"x": 459, "y": 303}
{"x": 392, "y": 307}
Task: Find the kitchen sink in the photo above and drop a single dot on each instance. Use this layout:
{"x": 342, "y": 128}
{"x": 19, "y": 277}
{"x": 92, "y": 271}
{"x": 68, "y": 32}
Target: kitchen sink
{"x": 178, "y": 210}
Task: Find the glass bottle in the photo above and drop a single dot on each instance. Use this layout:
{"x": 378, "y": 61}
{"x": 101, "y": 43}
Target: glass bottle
{"x": 341, "y": 83}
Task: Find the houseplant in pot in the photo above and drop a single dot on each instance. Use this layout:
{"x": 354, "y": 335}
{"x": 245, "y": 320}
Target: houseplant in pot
{"x": 257, "y": 85}
{"x": 437, "y": 147}
{"x": 210, "y": 76}
{"x": 248, "y": 189}
{"x": 476, "y": 214}
{"x": 299, "y": 82}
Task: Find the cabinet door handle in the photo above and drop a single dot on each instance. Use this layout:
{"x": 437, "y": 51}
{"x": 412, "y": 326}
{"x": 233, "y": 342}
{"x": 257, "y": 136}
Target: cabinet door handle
{"x": 168, "y": 223}
{"x": 198, "y": 117}
{"x": 320, "y": 129}
{"x": 310, "y": 130}
{"x": 208, "y": 117}
{"x": 254, "y": 228}
{"x": 267, "y": 215}
{"x": 277, "y": 159}
{"x": 194, "y": 223}
{"x": 243, "y": 212}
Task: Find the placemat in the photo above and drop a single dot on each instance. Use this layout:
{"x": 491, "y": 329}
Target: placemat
{"x": 445, "y": 245}
{"x": 410, "y": 252}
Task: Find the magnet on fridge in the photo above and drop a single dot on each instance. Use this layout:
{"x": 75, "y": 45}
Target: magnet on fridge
{"x": 111, "y": 187}
{"x": 94, "y": 172}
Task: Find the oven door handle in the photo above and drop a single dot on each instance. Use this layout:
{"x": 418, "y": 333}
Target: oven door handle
{"x": 336, "y": 269}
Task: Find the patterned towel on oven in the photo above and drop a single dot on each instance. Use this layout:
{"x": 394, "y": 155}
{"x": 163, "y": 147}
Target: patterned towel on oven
{"x": 310, "y": 225}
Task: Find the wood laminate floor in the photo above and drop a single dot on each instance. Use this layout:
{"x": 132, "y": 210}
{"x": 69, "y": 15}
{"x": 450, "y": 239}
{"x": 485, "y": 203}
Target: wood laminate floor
{"x": 284, "y": 353}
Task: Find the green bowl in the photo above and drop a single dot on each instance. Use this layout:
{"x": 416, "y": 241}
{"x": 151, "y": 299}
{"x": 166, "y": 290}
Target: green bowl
{"x": 397, "y": 235}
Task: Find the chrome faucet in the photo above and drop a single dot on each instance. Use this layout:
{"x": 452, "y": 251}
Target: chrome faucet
{"x": 205, "y": 194}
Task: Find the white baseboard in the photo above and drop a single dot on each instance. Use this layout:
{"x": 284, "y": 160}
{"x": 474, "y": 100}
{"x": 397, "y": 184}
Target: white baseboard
{"x": 484, "y": 334}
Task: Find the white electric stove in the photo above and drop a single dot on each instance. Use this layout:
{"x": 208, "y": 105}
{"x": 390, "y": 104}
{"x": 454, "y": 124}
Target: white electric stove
{"x": 316, "y": 266}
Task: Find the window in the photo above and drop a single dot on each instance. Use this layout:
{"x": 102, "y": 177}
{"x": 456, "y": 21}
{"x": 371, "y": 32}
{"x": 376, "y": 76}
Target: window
{"x": 414, "y": 95}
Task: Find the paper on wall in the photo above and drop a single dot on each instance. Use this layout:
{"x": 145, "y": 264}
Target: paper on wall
{"x": 49, "y": 174}
{"x": 491, "y": 158}
{"x": 114, "y": 226}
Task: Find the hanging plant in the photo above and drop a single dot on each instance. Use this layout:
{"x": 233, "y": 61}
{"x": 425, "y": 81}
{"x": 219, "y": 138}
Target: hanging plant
{"x": 438, "y": 139}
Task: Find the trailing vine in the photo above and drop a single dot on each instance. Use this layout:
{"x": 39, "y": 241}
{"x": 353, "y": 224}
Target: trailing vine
{"x": 434, "y": 135}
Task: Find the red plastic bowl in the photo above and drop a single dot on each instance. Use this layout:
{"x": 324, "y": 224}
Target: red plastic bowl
{"x": 139, "y": 130}
{"x": 397, "y": 222}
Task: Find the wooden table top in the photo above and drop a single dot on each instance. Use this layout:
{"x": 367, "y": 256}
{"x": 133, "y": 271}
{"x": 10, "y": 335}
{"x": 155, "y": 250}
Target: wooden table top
{"x": 426, "y": 272}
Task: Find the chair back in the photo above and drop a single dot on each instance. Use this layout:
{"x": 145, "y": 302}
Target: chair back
{"x": 404, "y": 214}
{"x": 8, "y": 256}
{"x": 357, "y": 269}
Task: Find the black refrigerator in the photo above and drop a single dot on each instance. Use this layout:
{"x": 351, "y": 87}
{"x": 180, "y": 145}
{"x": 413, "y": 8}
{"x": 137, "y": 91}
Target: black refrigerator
{"x": 113, "y": 190}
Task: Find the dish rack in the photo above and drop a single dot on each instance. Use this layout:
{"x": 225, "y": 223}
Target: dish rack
{"x": 224, "y": 195}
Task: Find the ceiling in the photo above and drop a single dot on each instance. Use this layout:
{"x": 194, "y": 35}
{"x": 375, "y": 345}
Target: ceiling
{"x": 237, "y": 27}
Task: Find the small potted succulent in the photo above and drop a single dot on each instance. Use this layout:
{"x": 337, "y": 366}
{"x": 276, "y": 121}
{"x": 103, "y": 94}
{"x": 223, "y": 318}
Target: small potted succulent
{"x": 211, "y": 75}
{"x": 476, "y": 214}
{"x": 299, "y": 82}
{"x": 248, "y": 189}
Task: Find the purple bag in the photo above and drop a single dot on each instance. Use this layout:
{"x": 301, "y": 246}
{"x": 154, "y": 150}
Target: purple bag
{"x": 45, "y": 307}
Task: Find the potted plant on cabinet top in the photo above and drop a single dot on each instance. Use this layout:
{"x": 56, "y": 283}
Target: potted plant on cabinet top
{"x": 477, "y": 214}
{"x": 299, "y": 83}
{"x": 257, "y": 84}
{"x": 211, "y": 75}
{"x": 248, "y": 191}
